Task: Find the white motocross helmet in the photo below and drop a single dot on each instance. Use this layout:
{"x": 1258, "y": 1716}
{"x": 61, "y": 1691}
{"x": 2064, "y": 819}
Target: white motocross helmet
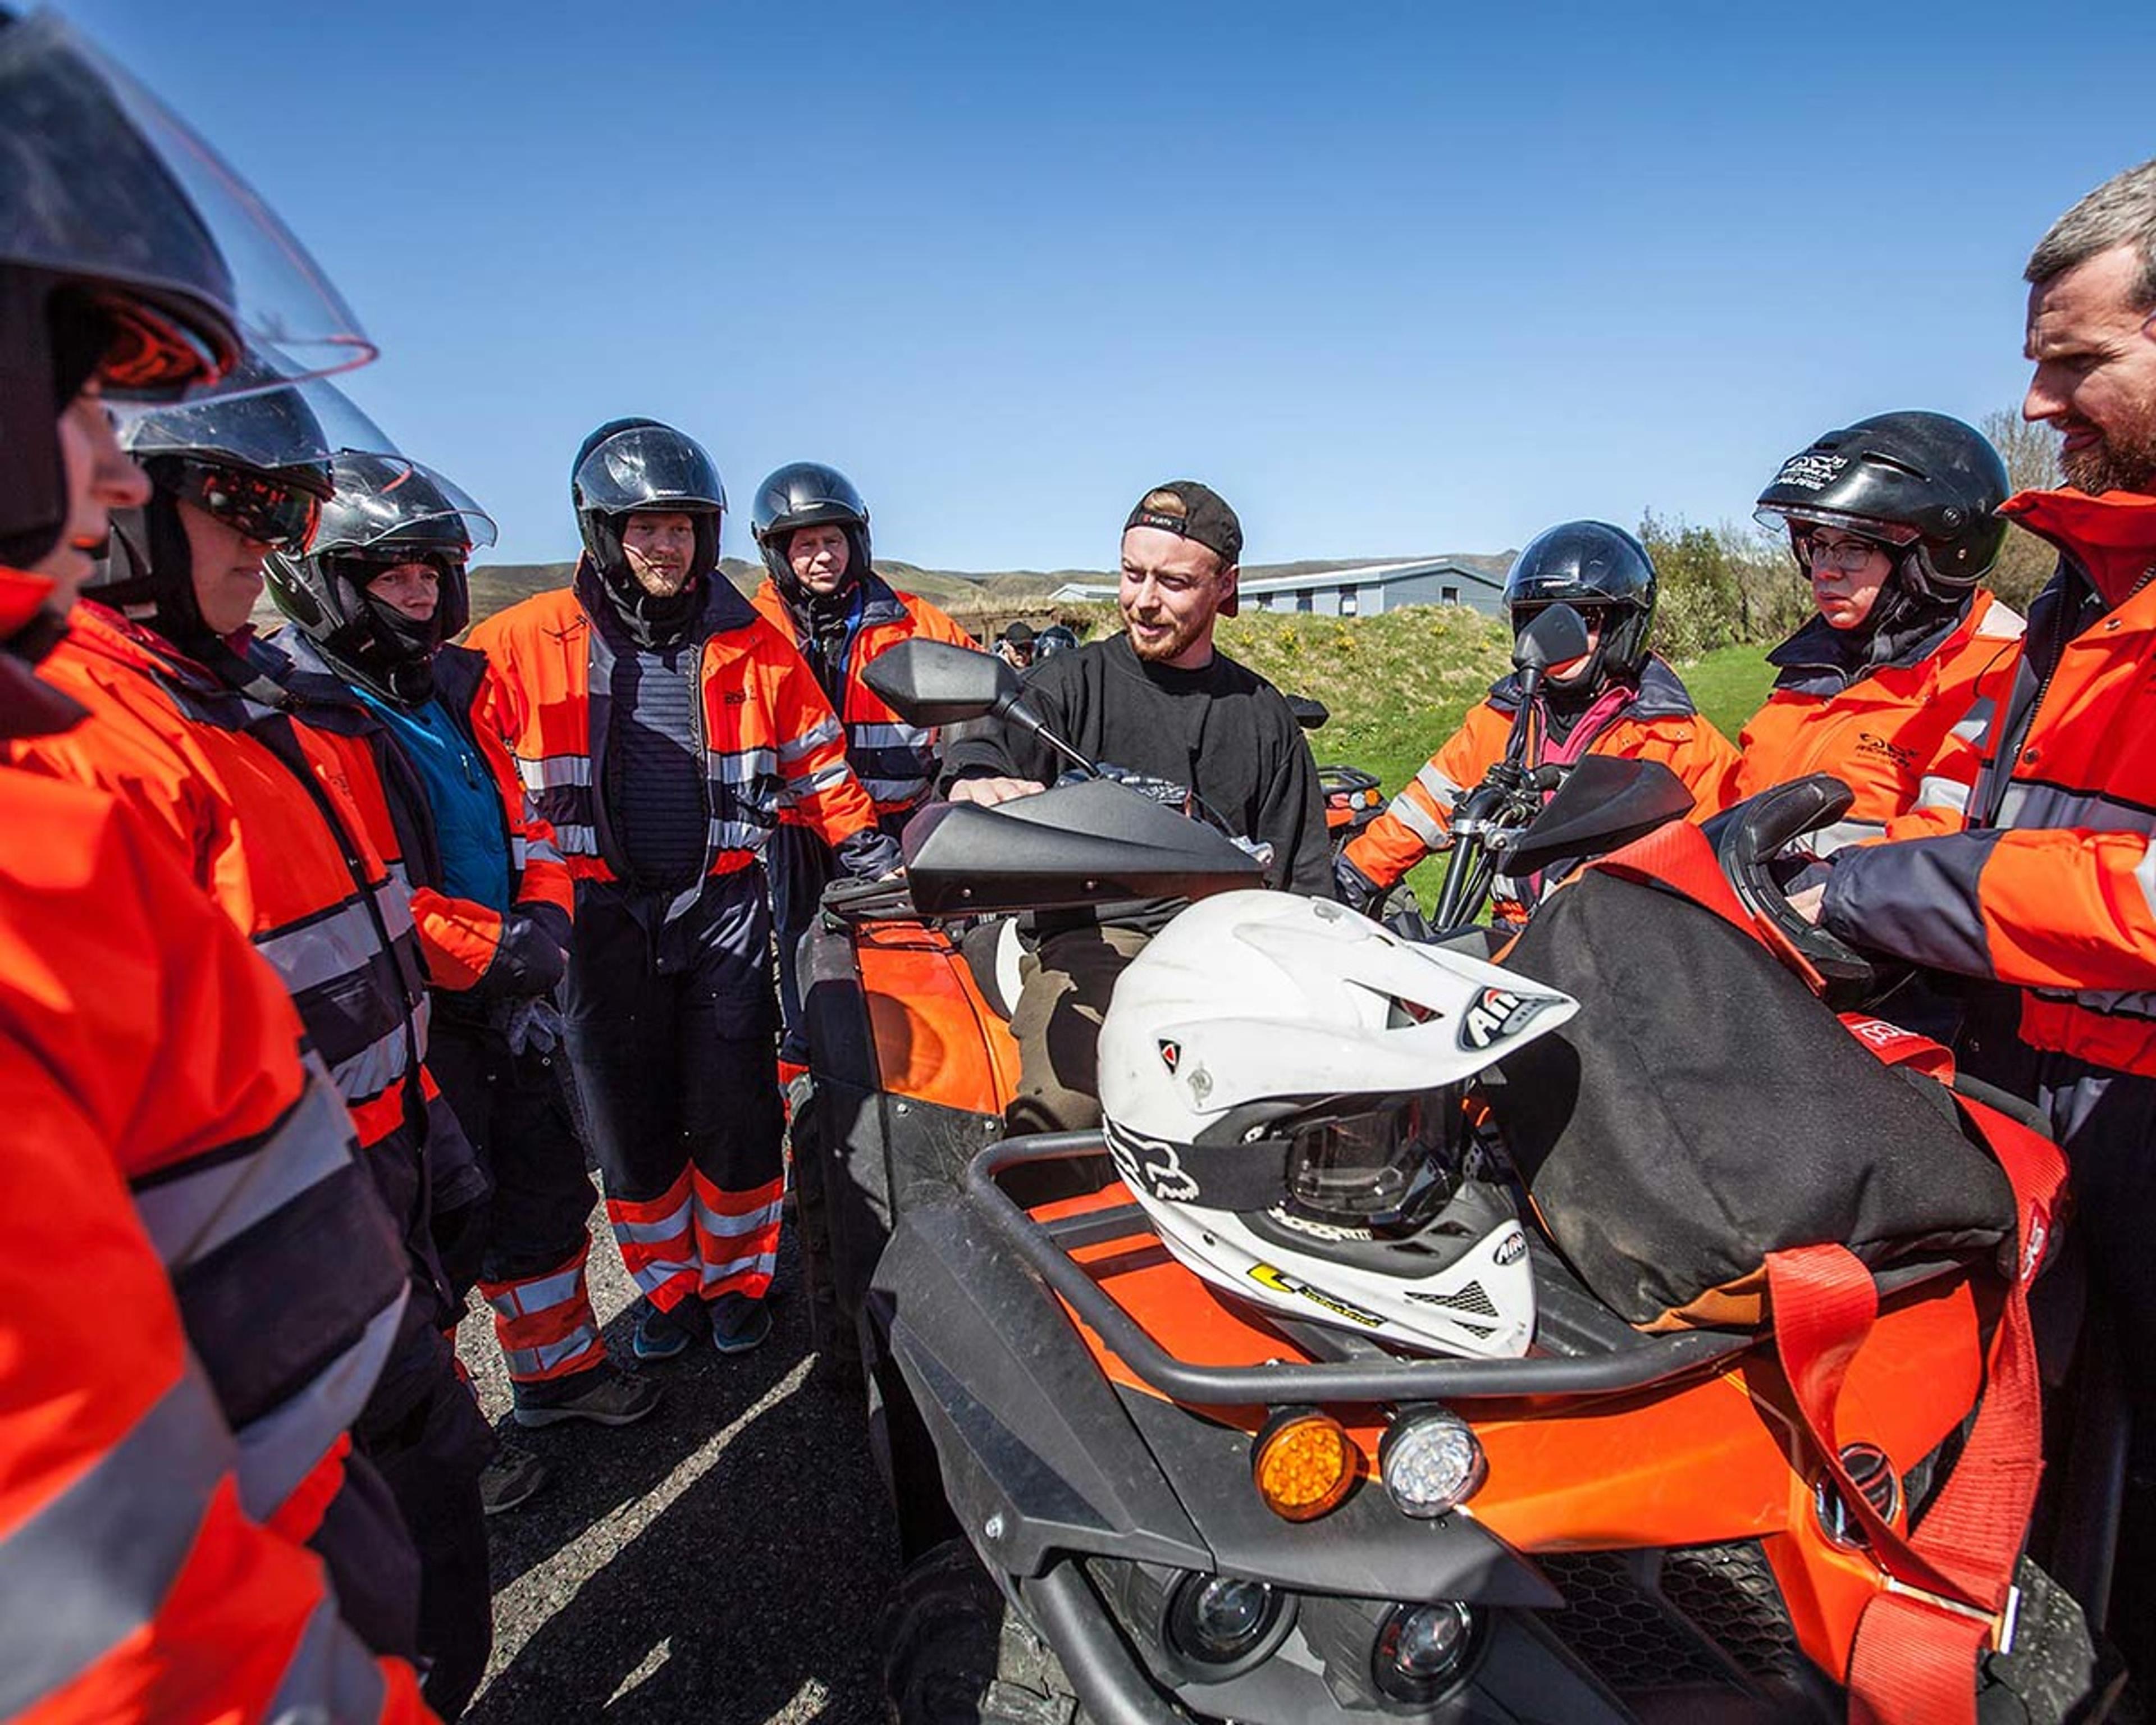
{"x": 1282, "y": 1085}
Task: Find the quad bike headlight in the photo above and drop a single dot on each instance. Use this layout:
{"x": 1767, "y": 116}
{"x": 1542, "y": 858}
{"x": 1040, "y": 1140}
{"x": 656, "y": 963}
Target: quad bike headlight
{"x": 1431, "y": 1462}
{"x": 1223, "y": 1620}
{"x": 1423, "y": 1651}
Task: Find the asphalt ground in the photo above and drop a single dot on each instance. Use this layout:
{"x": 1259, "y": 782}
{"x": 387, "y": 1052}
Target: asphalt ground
{"x": 723, "y": 1562}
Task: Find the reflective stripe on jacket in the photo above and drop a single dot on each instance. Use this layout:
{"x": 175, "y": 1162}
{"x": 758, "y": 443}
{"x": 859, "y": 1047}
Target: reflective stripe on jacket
{"x": 459, "y": 939}
{"x": 895, "y": 762}
{"x": 1660, "y": 723}
{"x": 768, "y": 735}
{"x": 1902, "y": 737}
{"x": 138, "y": 1031}
{"x": 2053, "y": 885}
{"x": 260, "y": 812}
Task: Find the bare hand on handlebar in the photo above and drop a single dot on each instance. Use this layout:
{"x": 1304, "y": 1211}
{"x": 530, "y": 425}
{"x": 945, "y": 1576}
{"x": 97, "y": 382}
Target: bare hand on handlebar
{"x": 989, "y": 792}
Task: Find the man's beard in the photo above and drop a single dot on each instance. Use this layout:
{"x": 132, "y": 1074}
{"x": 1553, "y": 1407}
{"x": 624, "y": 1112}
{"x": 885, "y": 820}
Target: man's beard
{"x": 2122, "y": 460}
{"x": 1178, "y": 640}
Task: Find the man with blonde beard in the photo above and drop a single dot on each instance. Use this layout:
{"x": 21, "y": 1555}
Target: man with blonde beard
{"x": 2051, "y": 889}
{"x": 1160, "y": 700}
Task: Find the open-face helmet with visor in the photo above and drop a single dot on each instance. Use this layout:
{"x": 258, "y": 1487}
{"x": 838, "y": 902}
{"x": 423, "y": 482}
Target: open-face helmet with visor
{"x": 130, "y": 254}
{"x": 388, "y": 511}
{"x": 1282, "y": 1083}
{"x": 638, "y": 466}
{"x": 1601, "y": 572}
{"x": 1924, "y": 487}
{"x": 806, "y": 494}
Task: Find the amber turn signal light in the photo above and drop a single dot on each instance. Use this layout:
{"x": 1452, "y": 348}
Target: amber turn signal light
{"x": 1303, "y": 1464}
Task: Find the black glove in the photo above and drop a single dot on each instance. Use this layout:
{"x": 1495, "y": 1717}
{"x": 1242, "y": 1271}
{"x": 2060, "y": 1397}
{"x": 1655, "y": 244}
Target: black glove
{"x": 531, "y": 956}
{"x": 869, "y": 854}
{"x": 1357, "y": 890}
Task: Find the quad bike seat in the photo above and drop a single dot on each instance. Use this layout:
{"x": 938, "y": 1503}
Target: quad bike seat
{"x": 992, "y": 948}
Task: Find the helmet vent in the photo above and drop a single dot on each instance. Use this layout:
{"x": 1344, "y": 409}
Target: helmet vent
{"x": 1471, "y": 1298}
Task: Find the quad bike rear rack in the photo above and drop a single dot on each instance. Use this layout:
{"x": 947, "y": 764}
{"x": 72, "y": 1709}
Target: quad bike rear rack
{"x": 1374, "y": 1376}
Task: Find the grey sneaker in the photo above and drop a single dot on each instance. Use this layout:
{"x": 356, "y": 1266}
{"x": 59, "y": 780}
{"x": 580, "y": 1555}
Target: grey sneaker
{"x": 739, "y": 1323}
{"x": 514, "y": 1475}
{"x": 606, "y": 1395}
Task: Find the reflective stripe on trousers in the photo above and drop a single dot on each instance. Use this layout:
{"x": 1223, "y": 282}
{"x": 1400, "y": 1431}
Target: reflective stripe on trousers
{"x": 545, "y": 1323}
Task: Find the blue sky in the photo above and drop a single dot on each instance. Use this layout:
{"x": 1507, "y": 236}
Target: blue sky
{"x": 1395, "y": 278}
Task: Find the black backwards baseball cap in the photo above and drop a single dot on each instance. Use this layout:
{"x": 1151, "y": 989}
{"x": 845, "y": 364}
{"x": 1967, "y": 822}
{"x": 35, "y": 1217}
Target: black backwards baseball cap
{"x": 1192, "y": 510}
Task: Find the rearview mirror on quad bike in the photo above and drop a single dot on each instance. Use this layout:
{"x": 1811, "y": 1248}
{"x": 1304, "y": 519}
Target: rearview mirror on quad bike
{"x": 937, "y": 683}
{"x": 1556, "y": 635}
{"x": 1311, "y": 714}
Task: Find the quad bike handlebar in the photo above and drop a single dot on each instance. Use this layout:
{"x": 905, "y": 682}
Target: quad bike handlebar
{"x": 1747, "y": 845}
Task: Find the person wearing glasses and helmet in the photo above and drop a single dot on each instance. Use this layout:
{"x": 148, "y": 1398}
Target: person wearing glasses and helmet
{"x": 270, "y": 814}
{"x": 1617, "y": 699}
{"x": 1891, "y": 685}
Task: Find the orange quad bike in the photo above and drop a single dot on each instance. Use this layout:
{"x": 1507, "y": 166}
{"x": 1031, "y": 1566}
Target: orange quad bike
{"x": 1125, "y": 1496}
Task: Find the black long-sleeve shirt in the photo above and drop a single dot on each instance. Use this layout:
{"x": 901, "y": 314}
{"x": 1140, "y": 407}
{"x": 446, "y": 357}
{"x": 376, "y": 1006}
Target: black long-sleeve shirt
{"x": 1223, "y": 731}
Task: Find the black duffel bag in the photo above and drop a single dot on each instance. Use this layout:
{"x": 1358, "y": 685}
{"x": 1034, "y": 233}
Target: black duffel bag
{"x": 1705, "y": 1108}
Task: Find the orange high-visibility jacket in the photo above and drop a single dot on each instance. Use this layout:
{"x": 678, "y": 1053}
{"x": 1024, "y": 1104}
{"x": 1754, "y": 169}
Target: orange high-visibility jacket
{"x": 768, "y": 735}
{"x": 1902, "y": 736}
{"x": 1658, "y": 723}
{"x": 2053, "y": 885}
{"x": 139, "y": 1035}
{"x": 260, "y": 812}
{"x": 895, "y": 762}
{"x": 459, "y": 940}
{"x": 135, "y": 1026}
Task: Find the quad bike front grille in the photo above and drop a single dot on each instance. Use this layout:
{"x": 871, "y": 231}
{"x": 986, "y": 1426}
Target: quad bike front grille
{"x": 1644, "y": 1621}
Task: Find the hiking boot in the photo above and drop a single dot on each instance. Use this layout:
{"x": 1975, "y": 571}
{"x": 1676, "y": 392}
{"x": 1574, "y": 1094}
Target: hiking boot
{"x": 605, "y": 1395}
{"x": 739, "y": 1323}
{"x": 661, "y": 1335}
{"x": 513, "y": 1476}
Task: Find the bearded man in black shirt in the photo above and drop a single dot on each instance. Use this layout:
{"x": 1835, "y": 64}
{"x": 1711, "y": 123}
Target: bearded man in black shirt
{"x": 1158, "y": 699}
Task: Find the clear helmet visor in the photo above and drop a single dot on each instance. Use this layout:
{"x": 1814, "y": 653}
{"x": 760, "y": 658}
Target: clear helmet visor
{"x": 262, "y": 421}
{"x": 1386, "y": 1168}
{"x": 1801, "y": 520}
{"x": 387, "y": 503}
{"x": 648, "y": 467}
{"x": 102, "y": 185}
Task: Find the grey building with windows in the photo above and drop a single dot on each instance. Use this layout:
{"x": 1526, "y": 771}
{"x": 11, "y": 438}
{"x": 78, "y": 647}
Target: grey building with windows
{"x": 1363, "y": 591}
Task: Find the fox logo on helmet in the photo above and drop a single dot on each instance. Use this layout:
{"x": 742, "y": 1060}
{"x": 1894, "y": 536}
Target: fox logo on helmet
{"x": 1151, "y": 1164}
{"x": 1497, "y": 1013}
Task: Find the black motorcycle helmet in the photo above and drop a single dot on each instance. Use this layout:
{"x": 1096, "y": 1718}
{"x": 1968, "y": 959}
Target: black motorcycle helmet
{"x": 1924, "y": 485}
{"x": 106, "y": 269}
{"x": 257, "y": 462}
{"x": 628, "y": 465}
{"x": 1594, "y": 568}
{"x": 804, "y": 494}
{"x": 1055, "y": 638}
{"x": 387, "y": 511}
